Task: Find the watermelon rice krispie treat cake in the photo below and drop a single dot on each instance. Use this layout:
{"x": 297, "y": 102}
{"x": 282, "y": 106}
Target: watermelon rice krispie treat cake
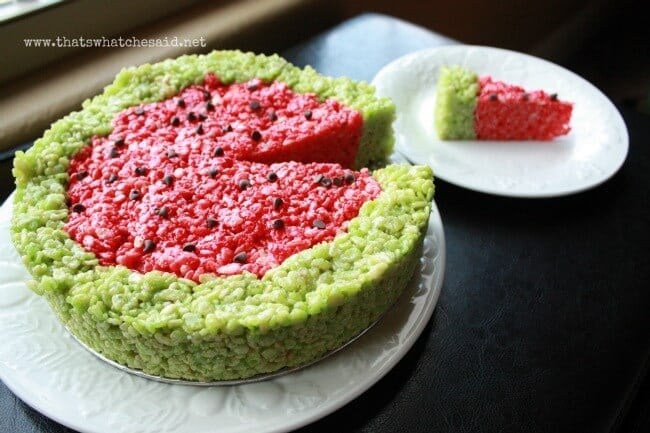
{"x": 470, "y": 107}
{"x": 213, "y": 217}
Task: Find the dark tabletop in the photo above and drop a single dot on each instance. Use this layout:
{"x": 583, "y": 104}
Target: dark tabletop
{"x": 543, "y": 324}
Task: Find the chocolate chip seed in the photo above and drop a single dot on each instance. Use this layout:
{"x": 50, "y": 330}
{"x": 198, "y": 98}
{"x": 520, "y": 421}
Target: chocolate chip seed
{"x": 211, "y": 222}
{"x": 494, "y": 97}
{"x": 191, "y": 116}
{"x": 209, "y": 106}
{"x": 168, "y": 180}
{"x": 349, "y": 178}
{"x": 114, "y": 153}
{"x": 319, "y": 224}
{"x": 272, "y": 177}
{"x": 189, "y": 247}
{"x": 181, "y": 102}
{"x": 176, "y": 121}
{"x": 278, "y": 224}
{"x": 78, "y": 207}
{"x": 240, "y": 258}
{"x": 307, "y": 114}
{"x": 162, "y": 212}
{"x": 227, "y": 128}
{"x": 140, "y": 171}
{"x": 277, "y": 203}
{"x": 149, "y": 246}
{"x": 244, "y": 184}
{"x": 255, "y": 104}
{"x": 256, "y": 135}
{"x": 213, "y": 172}
{"x": 112, "y": 178}
{"x": 119, "y": 141}
{"x": 553, "y": 96}
{"x": 80, "y": 175}
{"x": 202, "y": 116}
{"x": 218, "y": 151}
{"x": 134, "y": 194}
{"x": 337, "y": 181}
{"x": 199, "y": 129}
{"x": 206, "y": 95}
{"x": 272, "y": 116}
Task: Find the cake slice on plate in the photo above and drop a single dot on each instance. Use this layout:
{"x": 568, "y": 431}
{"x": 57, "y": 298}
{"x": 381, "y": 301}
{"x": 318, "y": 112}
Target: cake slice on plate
{"x": 469, "y": 107}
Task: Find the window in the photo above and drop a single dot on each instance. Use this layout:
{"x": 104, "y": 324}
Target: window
{"x": 46, "y": 20}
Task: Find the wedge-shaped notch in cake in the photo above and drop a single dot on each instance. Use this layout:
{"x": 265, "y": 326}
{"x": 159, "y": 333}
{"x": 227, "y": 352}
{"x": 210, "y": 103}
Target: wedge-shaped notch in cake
{"x": 469, "y": 107}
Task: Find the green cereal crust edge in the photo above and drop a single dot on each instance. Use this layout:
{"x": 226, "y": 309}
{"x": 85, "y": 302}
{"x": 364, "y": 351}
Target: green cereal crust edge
{"x": 456, "y": 96}
{"x": 225, "y": 327}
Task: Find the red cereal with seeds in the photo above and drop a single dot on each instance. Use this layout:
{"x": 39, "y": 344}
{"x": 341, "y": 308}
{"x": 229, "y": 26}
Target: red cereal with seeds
{"x": 188, "y": 185}
{"x": 509, "y": 112}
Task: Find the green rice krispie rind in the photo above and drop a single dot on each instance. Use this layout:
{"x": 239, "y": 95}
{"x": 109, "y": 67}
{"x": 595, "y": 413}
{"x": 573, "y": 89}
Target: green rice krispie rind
{"x": 456, "y": 96}
{"x": 225, "y": 327}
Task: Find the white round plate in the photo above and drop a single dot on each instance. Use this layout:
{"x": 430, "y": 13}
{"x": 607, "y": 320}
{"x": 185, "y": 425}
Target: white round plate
{"x": 44, "y": 366}
{"x": 591, "y": 153}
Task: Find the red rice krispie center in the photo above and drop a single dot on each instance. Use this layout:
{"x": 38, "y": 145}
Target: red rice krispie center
{"x": 197, "y": 183}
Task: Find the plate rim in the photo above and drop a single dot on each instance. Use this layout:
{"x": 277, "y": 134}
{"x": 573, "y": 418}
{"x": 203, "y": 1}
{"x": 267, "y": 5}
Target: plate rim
{"x": 620, "y": 124}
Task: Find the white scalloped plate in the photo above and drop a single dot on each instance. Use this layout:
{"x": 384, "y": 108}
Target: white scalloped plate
{"x": 593, "y": 151}
{"x": 44, "y": 366}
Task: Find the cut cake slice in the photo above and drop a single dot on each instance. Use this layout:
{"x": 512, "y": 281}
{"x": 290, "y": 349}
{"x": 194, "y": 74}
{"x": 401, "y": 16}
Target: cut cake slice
{"x": 470, "y": 107}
